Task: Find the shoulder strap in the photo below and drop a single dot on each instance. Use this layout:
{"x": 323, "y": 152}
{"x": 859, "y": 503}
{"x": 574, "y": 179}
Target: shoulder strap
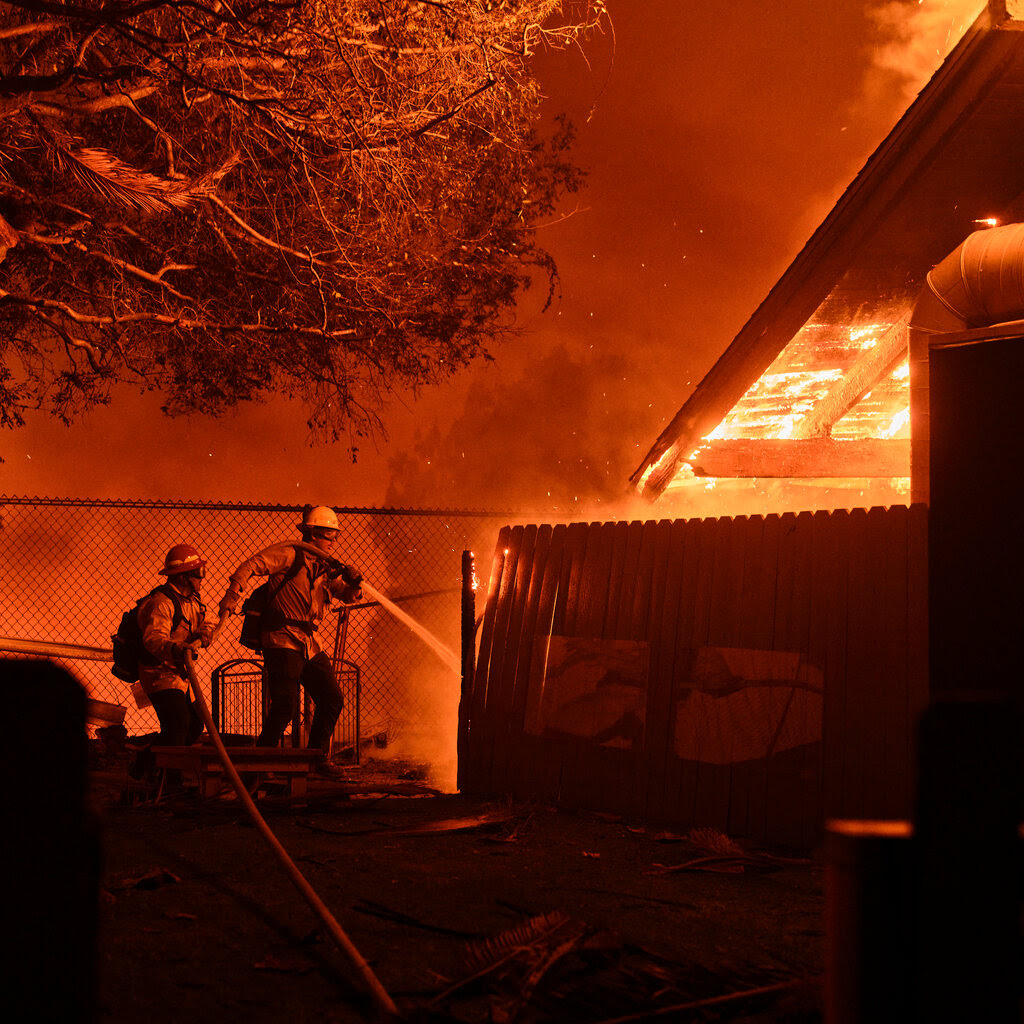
{"x": 292, "y": 572}
{"x": 168, "y": 591}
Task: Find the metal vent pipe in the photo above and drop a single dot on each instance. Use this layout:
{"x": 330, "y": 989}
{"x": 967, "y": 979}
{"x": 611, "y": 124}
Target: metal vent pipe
{"x": 968, "y": 458}
{"x": 981, "y": 282}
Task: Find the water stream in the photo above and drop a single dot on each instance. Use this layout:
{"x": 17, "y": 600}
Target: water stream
{"x": 445, "y": 653}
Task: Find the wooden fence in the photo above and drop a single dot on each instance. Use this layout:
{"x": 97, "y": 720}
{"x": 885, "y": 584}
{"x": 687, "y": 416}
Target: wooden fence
{"x": 755, "y": 675}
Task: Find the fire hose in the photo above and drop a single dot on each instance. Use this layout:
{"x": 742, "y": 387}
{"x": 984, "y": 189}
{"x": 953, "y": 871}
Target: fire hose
{"x": 383, "y": 1002}
{"x": 381, "y": 999}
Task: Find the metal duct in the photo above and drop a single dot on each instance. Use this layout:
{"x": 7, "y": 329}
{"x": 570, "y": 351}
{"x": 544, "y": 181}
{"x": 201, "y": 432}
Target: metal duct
{"x": 979, "y": 283}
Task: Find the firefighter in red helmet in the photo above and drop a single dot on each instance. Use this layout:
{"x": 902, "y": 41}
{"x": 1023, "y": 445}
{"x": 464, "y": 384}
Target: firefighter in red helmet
{"x": 172, "y": 617}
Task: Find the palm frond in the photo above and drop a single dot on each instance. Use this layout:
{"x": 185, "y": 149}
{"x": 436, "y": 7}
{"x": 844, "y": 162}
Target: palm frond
{"x": 102, "y": 172}
{"x": 713, "y": 841}
{"x": 534, "y": 934}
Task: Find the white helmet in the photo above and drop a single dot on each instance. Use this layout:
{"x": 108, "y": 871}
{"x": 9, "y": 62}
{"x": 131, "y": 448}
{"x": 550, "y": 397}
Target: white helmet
{"x": 321, "y": 516}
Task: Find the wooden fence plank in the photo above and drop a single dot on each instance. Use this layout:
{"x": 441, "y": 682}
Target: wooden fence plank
{"x": 540, "y": 763}
{"x": 725, "y": 582}
{"x": 475, "y": 727}
{"x": 651, "y": 780}
{"x": 861, "y": 727}
{"x": 597, "y": 584}
{"x": 618, "y": 583}
{"x": 675, "y": 802}
{"x": 501, "y": 692}
{"x": 831, "y": 538}
{"x": 493, "y": 697}
{"x": 592, "y": 776}
{"x": 564, "y": 623}
{"x": 784, "y": 808}
{"x": 917, "y": 626}
{"x": 748, "y": 786}
{"x": 888, "y": 533}
{"x": 694, "y": 625}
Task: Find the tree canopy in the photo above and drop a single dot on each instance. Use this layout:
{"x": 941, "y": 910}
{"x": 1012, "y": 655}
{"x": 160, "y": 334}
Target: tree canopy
{"x": 330, "y": 199}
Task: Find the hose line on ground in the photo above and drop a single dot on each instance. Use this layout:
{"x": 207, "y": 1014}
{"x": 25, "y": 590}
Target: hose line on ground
{"x": 381, "y": 999}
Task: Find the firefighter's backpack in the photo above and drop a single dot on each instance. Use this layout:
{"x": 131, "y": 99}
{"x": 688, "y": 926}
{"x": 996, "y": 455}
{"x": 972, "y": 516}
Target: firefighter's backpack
{"x": 127, "y": 641}
{"x": 257, "y": 603}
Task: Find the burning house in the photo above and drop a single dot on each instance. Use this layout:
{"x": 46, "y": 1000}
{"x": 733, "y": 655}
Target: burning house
{"x": 820, "y": 401}
{"x": 765, "y": 673}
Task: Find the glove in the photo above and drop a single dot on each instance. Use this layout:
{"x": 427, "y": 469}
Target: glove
{"x": 229, "y": 603}
{"x": 351, "y": 575}
{"x": 177, "y": 653}
{"x": 206, "y": 634}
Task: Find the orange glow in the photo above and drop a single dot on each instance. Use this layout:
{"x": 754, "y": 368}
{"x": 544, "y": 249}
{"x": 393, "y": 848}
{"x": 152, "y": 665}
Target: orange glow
{"x": 816, "y": 360}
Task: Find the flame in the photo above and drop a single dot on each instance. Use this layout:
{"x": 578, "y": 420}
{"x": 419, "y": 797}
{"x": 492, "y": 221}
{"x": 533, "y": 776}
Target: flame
{"x": 897, "y": 423}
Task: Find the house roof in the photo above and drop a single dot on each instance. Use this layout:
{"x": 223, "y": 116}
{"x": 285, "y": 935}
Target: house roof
{"x": 955, "y": 159}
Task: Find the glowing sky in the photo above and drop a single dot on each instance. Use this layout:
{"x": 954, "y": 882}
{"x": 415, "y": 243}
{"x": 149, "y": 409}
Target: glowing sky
{"x": 716, "y": 137}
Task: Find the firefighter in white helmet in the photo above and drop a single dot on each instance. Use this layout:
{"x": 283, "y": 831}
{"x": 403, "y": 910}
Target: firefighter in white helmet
{"x": 300, "y": 589}
{"x": 171, "y": 618}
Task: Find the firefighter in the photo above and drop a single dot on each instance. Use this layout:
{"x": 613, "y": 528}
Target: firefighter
{"x": 300, "y": 589}
{"x": 171, "y": 619}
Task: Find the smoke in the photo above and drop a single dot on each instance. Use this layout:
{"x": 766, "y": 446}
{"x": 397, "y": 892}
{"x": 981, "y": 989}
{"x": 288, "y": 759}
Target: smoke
{"x": 914, "y": 37}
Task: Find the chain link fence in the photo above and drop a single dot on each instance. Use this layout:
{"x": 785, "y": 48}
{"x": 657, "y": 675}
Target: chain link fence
{"x": 71, "y": 567}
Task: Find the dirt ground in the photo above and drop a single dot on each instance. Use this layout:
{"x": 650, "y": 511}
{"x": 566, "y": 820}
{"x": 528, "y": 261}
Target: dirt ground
{"x": 463, "y": 911}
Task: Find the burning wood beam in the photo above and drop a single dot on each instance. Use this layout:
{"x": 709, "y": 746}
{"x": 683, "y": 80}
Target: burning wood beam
{"x": 803, "y": 458}
{"x": 874, "y": 364}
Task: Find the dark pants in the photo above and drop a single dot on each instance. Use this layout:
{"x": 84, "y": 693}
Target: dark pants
{"x": 284, "y": 671}
{"x": 180, "y": 724}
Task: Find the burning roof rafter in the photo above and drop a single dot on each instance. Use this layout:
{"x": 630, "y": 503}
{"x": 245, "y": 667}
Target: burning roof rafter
{"x": 800, "y": 370}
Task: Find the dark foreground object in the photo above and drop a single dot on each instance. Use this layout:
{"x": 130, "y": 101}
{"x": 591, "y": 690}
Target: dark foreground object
{"x": 51, "y": 849}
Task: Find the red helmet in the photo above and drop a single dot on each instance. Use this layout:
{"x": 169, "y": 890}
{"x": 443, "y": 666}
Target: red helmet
{"x": 181, "y": 558}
